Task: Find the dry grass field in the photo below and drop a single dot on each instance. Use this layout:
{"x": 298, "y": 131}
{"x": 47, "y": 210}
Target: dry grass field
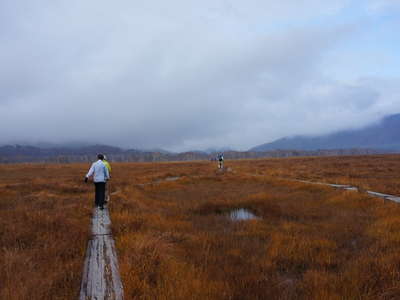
{"x": 380, "y": 173}
{"x": 44, "y": 226}
{"x": 175, "y": 239}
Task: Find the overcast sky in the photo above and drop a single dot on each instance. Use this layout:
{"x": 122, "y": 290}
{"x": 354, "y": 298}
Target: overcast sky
{"x": 183, "y": 74}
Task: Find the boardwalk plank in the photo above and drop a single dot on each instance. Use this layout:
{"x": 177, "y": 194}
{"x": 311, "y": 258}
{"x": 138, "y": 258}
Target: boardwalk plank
{"x": 101, "y": 279}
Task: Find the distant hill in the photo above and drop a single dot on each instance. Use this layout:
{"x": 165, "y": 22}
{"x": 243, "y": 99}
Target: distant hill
{"x": 22, "y": 154}
{"x": 218, "y": 150}
{"x": 383, "y": 136}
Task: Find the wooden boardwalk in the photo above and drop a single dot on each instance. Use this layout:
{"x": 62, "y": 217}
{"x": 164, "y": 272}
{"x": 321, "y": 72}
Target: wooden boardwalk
{"x": 347, "y": 187}
{"x": 101, "y": 279}
{"x": 353, "y": 188}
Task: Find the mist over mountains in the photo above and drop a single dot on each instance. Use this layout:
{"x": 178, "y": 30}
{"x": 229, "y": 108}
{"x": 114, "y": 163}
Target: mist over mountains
{"x": 382, "y": 136}
{"x": 24, "y": 154}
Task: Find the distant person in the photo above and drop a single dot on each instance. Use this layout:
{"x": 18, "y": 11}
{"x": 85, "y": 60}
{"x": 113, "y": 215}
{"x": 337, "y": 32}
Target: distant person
{"x": 100, "y": 174}
{"x": 107, "y": 164}
{"x": 221, "y": 161}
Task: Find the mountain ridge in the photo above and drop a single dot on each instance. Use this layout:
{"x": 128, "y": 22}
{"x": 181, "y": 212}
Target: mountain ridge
{"x": 384, "y": 135}
{"x": 28, "y": 154}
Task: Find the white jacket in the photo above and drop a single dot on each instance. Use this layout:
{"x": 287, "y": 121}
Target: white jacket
{"x": 99, "y": 172}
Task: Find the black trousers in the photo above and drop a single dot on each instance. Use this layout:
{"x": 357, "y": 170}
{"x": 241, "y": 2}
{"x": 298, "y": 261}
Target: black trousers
{"x": 100, "y": 193}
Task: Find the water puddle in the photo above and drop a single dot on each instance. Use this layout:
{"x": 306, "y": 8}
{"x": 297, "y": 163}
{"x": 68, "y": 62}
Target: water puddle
{"x": 172, "y": 178}
{"x": 166, "y": 179}
{"x": 242, "y": 214}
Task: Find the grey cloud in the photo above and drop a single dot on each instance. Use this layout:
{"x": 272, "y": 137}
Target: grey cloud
{"x": 379, "y": 6}
{"x": 175, "y": 74}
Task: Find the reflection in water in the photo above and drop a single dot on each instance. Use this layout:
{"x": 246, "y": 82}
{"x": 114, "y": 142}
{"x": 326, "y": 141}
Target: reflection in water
{"x": 242, "y": 214}
{"x": 172, "y": 178}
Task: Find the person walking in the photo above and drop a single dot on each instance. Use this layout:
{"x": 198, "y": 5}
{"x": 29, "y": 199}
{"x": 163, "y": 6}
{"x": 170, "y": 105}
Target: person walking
{"x": 107, "y": 192}
{"x": 221, "y": 161}
{"x": 107, "y": 165}
{"x": 100, "y": 175}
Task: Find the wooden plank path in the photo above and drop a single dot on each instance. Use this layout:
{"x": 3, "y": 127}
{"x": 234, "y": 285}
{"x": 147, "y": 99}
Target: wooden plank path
{"x": 344, "y": 187}
{"x": 101, "y": 279}
{"x": 353, "y": 188}
{"x": 385, "y": 196}
{"x": 337, "y": 186}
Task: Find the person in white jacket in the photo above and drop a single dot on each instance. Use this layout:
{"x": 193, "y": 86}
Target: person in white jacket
{"x": 220, "y": 161}
{"x": 100, "y": 174}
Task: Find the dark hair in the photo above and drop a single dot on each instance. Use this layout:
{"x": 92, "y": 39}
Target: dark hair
{"x": 100, "y": 156}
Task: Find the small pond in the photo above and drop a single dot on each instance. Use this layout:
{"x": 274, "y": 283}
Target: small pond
{"x": 242, "y": 214}
{"x": 172, "y": 178}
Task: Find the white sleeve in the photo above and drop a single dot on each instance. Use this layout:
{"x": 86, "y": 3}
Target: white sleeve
{"x": 91, "y": 171}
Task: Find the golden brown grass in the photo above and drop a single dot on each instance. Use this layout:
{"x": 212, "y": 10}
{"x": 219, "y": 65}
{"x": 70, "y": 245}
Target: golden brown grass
{"x": 378, "y": 173}
{"x": 175, "y": 241}
{"x": 313, "y": 242}
{"x": 44, "y": 222}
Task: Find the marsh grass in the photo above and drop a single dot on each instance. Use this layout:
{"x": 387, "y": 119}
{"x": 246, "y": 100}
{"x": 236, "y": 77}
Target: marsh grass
{"x": 311, "y": 242}
{"x": 44, "y": 218}
{"x": 175, "y": 241}
{"x": 378, "y": 173}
